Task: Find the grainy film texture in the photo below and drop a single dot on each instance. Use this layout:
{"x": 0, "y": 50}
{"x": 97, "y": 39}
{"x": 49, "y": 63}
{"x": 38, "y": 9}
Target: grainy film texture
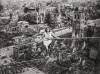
{"x": 49, "y": 36}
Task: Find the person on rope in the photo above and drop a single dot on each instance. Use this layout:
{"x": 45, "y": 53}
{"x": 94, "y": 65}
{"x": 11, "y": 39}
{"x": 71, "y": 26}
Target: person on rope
{"x": 47, "y": 38}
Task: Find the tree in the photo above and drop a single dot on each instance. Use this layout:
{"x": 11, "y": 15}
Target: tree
{"x": 1, "y": 7}
{"x": 98, "y": 3}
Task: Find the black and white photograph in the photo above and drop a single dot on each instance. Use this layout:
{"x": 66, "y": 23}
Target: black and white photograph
{"x": 49, "y": 36}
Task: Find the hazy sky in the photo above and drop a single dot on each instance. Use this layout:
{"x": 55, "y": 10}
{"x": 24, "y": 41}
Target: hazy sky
{"x": 5, "y": 1}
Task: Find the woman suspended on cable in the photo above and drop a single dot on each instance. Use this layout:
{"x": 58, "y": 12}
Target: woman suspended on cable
{"x": 48, "y": 38}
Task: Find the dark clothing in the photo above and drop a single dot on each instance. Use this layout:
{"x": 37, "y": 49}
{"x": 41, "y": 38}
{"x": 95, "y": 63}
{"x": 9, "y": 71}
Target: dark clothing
{"x": 89, "y": 32}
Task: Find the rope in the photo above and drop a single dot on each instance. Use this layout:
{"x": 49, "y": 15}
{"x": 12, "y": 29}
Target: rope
{"x": 78, "y": 38}
{"x": 61, "y": 39}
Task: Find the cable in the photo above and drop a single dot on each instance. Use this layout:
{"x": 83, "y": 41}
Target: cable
{"x": 79, "y": 38}
{"x": 61, "y": 39}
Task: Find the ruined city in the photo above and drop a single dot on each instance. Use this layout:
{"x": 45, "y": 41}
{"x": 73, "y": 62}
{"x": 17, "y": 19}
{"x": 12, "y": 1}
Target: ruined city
{"x": 49, "y": 36}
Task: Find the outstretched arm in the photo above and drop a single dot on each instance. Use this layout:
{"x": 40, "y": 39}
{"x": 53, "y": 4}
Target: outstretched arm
{"x": 54, "y": 35}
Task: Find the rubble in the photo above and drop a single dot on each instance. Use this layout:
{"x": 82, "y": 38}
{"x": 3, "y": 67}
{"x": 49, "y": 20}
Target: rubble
{"x": 73, "y": 36}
